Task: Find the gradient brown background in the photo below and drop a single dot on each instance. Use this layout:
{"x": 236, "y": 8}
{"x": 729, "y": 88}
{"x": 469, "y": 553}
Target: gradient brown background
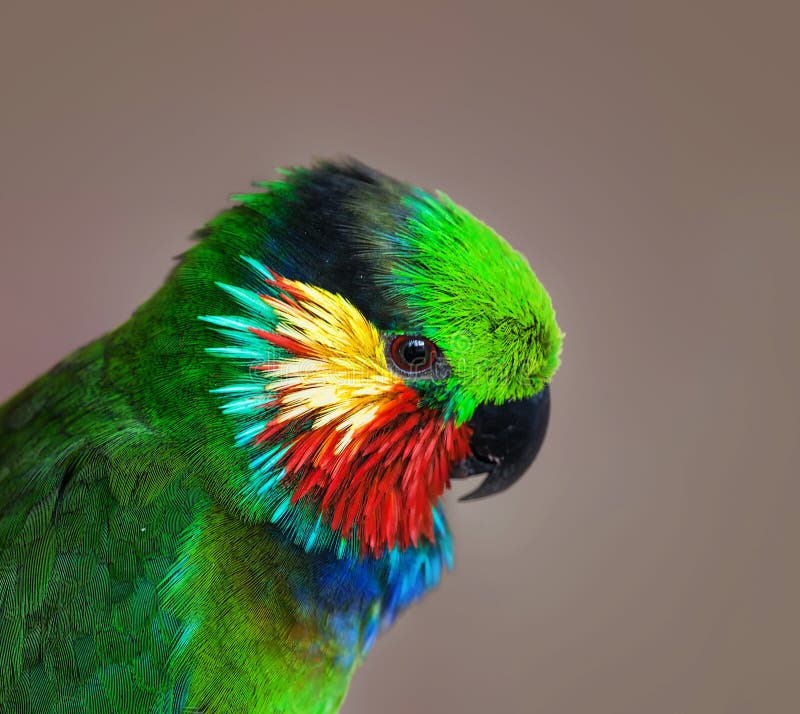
{"x": 645, "y": 157}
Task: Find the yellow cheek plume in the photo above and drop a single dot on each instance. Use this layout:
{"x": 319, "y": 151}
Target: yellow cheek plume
{"x": 338, "y": 370}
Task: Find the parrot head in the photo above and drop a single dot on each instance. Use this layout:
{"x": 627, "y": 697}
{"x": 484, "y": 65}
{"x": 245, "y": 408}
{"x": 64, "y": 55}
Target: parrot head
{"x": 379, "y": 341}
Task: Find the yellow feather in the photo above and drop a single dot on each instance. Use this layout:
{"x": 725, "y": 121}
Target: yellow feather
{"x": 342, "y": 375}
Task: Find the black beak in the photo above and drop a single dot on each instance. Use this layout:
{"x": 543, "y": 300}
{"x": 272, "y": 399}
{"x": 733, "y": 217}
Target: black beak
{"x": 505, "y": 441}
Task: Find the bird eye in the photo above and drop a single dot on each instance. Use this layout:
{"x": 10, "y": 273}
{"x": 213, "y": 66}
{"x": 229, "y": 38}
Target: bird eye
{"x": 413, "y": 355}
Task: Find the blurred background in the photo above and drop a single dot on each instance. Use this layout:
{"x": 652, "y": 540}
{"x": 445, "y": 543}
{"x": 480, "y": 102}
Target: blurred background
{"x": 644, "y": 156}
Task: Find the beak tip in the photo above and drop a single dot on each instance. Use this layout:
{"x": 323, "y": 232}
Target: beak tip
{"x": 497, "y": 480}
{"x": 476, "y": 493}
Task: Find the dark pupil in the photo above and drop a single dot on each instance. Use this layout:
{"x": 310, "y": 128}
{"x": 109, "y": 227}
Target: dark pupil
{"x": 415, "y": 353}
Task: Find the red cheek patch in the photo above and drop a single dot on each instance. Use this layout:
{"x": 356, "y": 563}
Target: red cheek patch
{"x": 380, "y": 483}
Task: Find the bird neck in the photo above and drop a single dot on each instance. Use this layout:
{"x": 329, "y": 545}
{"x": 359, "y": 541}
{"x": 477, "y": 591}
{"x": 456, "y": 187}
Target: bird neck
{"x": 260, "y": 614}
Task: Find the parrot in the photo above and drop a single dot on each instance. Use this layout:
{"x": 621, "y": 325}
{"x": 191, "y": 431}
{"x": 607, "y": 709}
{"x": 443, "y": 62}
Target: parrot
{"x": 217, "y": 507}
